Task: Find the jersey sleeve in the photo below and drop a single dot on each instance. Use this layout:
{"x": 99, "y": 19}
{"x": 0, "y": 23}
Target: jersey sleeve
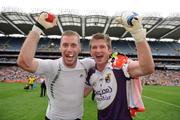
{"x": 125, "y": 68}
{"x": 88, "y": 63}
{"x": 87, "y": 82}
{"x": 90, "y": 73}
{"x": 44, "y": 66}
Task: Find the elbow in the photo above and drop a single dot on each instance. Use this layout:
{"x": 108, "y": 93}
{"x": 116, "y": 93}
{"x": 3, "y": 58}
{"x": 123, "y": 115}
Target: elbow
{"x": 87, "y": 91}
{"x": 22, "y": 63}
{"x": 19, "y": 61}
{"x": 85, "y": 96}
{"x": 152, "y": 68}
{"x": 149, "y": 70}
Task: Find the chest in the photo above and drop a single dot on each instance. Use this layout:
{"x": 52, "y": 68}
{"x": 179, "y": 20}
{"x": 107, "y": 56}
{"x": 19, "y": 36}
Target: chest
{"x": 71, "y": 78}
{"x": 108, "y": 80}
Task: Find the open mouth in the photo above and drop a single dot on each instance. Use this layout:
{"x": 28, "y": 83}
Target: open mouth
{"x": 69, "y": 56}
{"x": 99, "y": 57}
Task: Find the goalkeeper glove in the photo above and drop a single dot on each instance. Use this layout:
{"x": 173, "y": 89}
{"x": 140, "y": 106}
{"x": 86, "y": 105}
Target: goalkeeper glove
{"x": 132, "y": 22}
{"x": 44, "y": 21}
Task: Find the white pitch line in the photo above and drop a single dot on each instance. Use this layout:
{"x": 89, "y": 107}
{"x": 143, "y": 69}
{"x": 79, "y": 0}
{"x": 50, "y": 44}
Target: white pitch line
{"x": 162, "y": 101}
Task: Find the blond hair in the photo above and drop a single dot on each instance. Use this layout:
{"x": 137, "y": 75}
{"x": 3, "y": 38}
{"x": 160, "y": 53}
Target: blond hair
{"x": 71, "y": 33}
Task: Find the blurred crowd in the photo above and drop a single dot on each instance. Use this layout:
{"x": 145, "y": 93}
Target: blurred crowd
{"x": 15, "y": 74}
{"x": 162, "y": 77}
{"x": 159, "y": 77}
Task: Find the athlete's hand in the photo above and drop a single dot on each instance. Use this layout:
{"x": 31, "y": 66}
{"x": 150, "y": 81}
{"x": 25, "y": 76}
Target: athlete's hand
{"x": 132, "y": 22}
{"x": 45, "y": 21}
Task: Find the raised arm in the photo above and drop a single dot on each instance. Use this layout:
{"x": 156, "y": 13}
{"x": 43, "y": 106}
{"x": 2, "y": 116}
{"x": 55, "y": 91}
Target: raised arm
{"x": 145, "y": 64}
{"x": 26, "y": 58}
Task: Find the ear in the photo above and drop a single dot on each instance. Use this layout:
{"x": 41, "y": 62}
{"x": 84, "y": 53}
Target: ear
{"x": 80, "y": 48}
{"x": 110, "y": 51}
{"x": 59, "y": 49}
{"x": 90, "y": 52}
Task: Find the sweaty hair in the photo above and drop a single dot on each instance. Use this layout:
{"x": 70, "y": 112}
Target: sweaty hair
{"x": 101, "y": 36}
{"x": 71, "y": 33}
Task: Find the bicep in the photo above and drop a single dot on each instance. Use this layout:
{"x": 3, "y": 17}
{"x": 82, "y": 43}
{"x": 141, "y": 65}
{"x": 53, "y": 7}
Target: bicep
{"x": 30, "y": 68}
{"x": 45, "y": 66}
{"x": 134, "y": 69}
{"x": 88, "y": 62}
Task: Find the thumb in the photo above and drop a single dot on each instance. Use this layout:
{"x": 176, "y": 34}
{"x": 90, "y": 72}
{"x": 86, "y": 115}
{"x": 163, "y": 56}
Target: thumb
{"x": 136, "y": 20}
{"x": 55, "y": 21}
{"x": 43, "y": 16}
{"x": 118, "y": 19}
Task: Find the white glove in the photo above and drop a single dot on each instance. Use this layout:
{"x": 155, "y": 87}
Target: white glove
{"x": 44, "y": 21}
{"x": 132, "y": 22}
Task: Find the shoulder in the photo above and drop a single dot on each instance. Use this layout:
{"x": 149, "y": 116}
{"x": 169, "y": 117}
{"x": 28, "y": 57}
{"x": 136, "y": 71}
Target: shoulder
{"x": 88, "y": 62}
{"x": 121, "y": 61}
{"x": 47, "y": 61}
{"x": 91, "y": 72}
{"x": 47, "y": 65}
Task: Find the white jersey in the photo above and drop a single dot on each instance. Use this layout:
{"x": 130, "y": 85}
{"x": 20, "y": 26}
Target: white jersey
{"x": 65, "y": 89}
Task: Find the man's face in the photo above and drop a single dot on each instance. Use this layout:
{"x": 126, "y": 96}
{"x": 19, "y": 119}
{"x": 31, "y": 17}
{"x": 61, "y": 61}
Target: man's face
{"x": 70, "y": 49}
{"x": 100, "y": 51}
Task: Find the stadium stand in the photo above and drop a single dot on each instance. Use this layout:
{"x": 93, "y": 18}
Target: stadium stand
{"x": 166, "y": 54}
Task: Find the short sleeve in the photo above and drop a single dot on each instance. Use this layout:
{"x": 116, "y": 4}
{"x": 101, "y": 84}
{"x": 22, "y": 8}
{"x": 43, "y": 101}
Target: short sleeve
{"x": 88, "y": 63}
{"x": 44, "y": 66}
{"x": 125, "y": 70}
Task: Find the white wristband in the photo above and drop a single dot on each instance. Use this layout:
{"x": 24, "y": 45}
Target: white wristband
{"x": 37, "y": 29}
{"x": 140, "y": 35}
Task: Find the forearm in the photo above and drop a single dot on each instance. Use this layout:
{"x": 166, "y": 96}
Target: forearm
{"x": 132, "y": 22}
{"x": 28, "y": 49}
{"x": 87, "y": 90}
{"x": 26, "y": 58}
{"x": 145, "y": 59}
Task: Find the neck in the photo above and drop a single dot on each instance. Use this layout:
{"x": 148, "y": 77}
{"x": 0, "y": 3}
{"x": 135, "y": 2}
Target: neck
{"x": 101, "y": 67}
{"x": 71, "y": 65}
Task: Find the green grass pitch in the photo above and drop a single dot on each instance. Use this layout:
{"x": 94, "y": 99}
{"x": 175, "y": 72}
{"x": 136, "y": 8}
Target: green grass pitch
{"x": 161, "y": 103}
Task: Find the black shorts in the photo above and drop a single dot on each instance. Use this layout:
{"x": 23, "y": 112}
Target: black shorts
{"x": 46, "y": 118}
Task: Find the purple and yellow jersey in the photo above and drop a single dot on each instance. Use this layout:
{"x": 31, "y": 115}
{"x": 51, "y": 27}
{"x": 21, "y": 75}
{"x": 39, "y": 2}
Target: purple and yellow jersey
{"x": 110, "y": 93}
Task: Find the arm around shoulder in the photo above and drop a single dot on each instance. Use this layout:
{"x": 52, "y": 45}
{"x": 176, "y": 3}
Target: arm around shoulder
{"x": 87, "y": 90}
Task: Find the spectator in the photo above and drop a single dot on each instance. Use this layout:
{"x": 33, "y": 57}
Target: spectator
{"x": 43, "y": 87}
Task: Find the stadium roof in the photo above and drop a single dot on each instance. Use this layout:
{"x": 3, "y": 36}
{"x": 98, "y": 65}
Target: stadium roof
{"x": 86, "y": 25}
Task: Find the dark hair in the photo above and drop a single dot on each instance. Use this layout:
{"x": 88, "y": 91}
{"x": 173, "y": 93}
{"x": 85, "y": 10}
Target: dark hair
{"x": 101, "y": 36}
